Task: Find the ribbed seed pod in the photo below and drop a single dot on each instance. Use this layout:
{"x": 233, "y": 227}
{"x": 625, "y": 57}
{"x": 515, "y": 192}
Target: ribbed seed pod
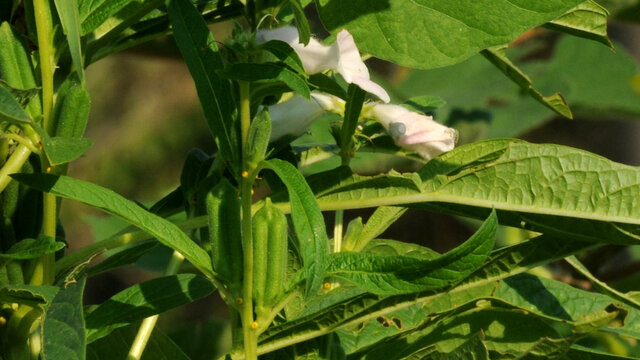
{"x": 269, "y": 257}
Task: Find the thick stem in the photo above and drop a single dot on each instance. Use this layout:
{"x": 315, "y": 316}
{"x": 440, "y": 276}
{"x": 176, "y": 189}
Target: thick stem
{"x": 146, "y": 328}
{"x": 247, "y": 177}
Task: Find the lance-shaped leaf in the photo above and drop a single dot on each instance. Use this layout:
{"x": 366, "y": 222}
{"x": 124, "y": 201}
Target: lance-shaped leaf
{"x": 554, "y": 102}
{"x": 349, "y": 309}
{"x": 31, "y": 249}
{"x": 203, "y": 59}
{"x": 546, "y": 188}
{"x": 145, "y": 299}
{"x": 587, "y": 20}
{"x": 63, "y": 335}
{"x": 107, "y": 200}
{"x": 308, "y": 223}
{"x": 430, "y": 34}
{"x": 70, "y": 19}
{"x": 390, "y": 275}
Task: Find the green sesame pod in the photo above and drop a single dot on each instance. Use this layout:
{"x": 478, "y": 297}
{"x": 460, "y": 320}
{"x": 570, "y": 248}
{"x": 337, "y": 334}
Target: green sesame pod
{"x": 270, "y": 257}
{"x": 71, "y": 111}
{"x": 223, "y": 211}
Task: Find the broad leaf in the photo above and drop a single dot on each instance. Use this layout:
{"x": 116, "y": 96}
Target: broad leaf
{"x": 107, "y": 200}
{"x": 285, "y": 53}
{"x": 145, "y": 299}
{"x": 588, "y": 20}
{"x": 308, "y": 223}
{"x": 32, "y": 248}
{"x": 429, "y": 34}
{"x": 390, "y": 275}
{"x": 546, "y": 188}
{"x": 63, "y": 335}
{"x": 203, "y": 59}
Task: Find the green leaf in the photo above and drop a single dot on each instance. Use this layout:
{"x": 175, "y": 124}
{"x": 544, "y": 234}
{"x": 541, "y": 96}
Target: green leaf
{"x": 583, "y": 353}
{"x": 63, "y": 335}
{"x": 394, "y": 247}
{"x": 554, "y": 102}
{"x": 356, "y": 308}
{"x": 15, "y": 64}
{"x": 352, "y": 110}
{"x": 121, "y": 258}
{"x": 285, "y": 53}
{"x": 390, "y": 275}
{"x": 587, "y": 20}
{"x": 302, "y": 24}
{"x": 61, "y": 150}
{"x": 551, "y": 189}
{"x": 601, "y": 285}
{"x": 203, "y": 59}
{"x": 267, "y": 72}
{"x": 70, "y": 19}
{"x": 449, "y": 32}
{"x": 71, "y": 112}
{"x": 92, "y": 13}
{"x": 145, "y": 299}
{"x": 23, "y": 96}
{"x": 117, "y": 344}
{"x": 377, "y": 223}
{"x": 107, "y": 200}
{"x": 32, "y": 248}
{"x": 30, "y": 295}
{"x": 11, "y": 110}
{"x": 308, "y": 223}
{"x": 424, "y": 104}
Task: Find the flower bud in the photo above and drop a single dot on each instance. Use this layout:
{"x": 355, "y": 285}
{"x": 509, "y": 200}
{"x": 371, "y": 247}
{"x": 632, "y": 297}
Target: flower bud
{"x": 413, "y": 131}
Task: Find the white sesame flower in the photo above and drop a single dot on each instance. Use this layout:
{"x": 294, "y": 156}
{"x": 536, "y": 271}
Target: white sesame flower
{"x": 342, "y": 56}
{"x": 414, "y": 131}
{"x": 294, "y": 116}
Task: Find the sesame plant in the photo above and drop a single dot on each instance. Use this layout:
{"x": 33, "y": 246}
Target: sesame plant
{"x": 294, "y": 288}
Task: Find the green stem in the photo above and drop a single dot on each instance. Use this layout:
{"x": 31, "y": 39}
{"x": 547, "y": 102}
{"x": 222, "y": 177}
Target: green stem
{"x": 247, "y": 177}
{"x": 337, "y": 231}
{"x": 13, "y": 165}
{"x": 44, "y": 27}
{"x": 146, "y": 328}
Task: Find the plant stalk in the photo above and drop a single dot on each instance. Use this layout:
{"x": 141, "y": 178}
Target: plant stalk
{"x": 148, "y": 324}
{"x": 13, "y": 165}
{"x": 249, "y": 326}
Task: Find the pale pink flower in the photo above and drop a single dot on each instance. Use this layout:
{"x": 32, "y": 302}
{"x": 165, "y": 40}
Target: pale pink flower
{"x": 342, "y": 56}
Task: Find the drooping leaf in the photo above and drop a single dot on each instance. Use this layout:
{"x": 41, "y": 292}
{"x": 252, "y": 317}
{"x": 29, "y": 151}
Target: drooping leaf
{"x": 554, "y": 102}
{"x": 117, "y": 344}
{"x": 588, "y": 20}
{"x": 63, "y": 333}
{"x": 145, "y": 299}
{"x": 390, "y": 275}
{"x": 429, "y": 34}
{"x": 107, "y": 200}
{"x": 302, "y": 24}
{"x": 267, "y": 72}
{"x": 203, "y": 59}
{"x": 308, "y": 223}
{"x": 70, "y": 19}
